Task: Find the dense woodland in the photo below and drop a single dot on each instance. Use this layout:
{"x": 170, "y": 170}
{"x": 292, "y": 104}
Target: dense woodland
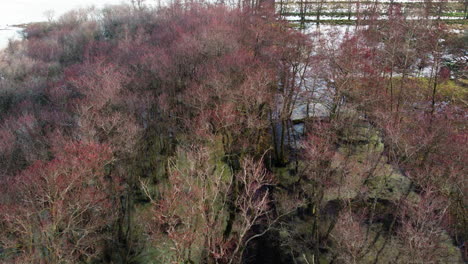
{"x": 169, "y": 134}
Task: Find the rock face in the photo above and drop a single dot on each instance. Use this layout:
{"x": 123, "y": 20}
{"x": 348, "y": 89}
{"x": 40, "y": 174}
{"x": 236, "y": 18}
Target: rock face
{"x": 388, "y": 184}
{"x": 367, "y": 174}
{"x": 304, "y": 110}
{"x": 362, "y": 175}
{"x": 299, "y": 129}
{"x": 362, "y": 168}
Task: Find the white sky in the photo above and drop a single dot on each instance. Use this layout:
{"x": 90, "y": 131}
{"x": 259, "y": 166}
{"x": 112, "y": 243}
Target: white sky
{"x": 23, "y": 11}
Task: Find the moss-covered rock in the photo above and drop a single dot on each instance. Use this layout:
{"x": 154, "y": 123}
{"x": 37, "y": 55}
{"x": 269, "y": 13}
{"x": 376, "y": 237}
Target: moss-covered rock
{"x": 360, "y": 157}
{"x": 387, "y": 184}
{"x": 285, "y": 176}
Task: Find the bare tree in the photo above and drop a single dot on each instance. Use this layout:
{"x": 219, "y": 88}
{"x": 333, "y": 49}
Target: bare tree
{"x": 49, "y": 14}
{"x": 139, "y": 4}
